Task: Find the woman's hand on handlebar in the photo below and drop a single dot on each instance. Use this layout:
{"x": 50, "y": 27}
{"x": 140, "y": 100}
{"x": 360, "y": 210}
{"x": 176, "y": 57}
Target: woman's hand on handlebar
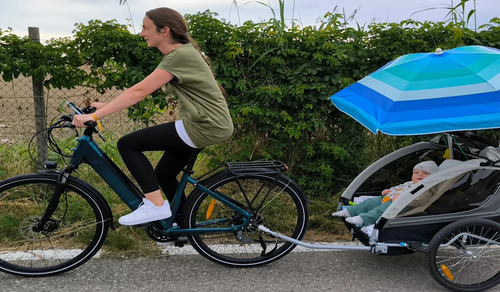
{"x": 79, "y": 120}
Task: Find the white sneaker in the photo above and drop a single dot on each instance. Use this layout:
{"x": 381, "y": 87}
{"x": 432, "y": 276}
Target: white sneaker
{"x": 146, "y": 212}
{"x": 342, "y": 213}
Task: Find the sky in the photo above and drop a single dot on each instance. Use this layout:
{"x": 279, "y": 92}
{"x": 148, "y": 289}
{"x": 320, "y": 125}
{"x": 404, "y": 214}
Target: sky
{"x": 56, "y": 18}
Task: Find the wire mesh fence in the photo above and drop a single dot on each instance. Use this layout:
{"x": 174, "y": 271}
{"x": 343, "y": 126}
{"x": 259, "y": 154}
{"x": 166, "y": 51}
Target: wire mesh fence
{"x": 17, "y": 122}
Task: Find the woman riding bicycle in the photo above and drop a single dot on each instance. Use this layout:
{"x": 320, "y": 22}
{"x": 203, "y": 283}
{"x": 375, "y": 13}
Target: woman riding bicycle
{"x": 204, "y": 117}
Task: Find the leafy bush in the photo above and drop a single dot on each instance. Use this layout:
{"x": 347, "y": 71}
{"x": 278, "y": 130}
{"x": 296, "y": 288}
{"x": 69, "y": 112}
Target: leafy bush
{"x": 279, "y": 81}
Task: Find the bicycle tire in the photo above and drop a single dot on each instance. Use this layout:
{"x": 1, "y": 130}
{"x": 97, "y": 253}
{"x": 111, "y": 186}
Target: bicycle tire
{"x": 465, "y": 255}
{"x": 74, "y": 234}
{"x": 284, "y": 211}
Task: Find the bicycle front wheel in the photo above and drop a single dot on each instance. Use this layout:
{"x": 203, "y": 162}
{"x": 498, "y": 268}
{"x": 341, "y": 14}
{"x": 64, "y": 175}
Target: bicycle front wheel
{"x": 278, "y": 204}
{"x": 465, "y": 255}
{"x": 73, "y": 234}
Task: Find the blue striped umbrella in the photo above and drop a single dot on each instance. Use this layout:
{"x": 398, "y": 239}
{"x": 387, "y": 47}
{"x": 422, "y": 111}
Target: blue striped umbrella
{"x": 424, "y": 93}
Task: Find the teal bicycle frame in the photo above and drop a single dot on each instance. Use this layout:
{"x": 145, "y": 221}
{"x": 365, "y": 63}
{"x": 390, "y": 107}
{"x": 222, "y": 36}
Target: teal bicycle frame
{"x": 87, "y": 151}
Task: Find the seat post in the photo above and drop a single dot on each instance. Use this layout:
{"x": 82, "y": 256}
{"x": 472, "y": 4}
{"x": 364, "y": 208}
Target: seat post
{"x": 192, "y": 160}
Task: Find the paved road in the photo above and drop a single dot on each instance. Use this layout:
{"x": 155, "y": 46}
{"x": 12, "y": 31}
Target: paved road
{"x": 299, "y": 271}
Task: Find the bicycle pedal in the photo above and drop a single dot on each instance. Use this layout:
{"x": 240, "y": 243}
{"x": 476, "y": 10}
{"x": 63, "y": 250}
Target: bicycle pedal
{"x": 164, "y": 243}
{"x": 179, "y": 242}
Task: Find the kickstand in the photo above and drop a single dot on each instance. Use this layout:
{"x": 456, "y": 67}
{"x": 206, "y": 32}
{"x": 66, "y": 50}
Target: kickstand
{"x": 264, "y": 247}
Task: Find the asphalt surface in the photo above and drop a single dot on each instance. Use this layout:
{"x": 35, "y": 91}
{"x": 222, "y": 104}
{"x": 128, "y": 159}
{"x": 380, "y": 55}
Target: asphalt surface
{"x": 298, "y": 271}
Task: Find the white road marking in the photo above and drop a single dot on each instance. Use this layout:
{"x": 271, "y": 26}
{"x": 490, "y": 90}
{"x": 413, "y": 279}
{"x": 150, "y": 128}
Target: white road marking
{"x": 170, "y": 249}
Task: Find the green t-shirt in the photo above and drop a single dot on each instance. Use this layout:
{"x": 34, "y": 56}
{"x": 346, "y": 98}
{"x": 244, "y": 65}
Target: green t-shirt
{"x": 202, "y": 107}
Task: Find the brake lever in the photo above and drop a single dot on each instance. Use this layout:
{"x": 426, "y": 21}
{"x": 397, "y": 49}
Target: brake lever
{"x": 71, "y": 126}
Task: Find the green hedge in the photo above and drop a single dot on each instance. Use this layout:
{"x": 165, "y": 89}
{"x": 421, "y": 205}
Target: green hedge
{"x": 279, "y": 81}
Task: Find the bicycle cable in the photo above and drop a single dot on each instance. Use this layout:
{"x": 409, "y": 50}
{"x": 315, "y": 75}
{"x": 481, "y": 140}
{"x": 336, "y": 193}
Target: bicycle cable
{"x": 51, "y": 142}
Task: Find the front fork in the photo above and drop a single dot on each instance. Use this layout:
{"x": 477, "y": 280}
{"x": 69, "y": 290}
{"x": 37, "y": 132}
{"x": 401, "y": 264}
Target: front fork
{"x": 56, "y": 196}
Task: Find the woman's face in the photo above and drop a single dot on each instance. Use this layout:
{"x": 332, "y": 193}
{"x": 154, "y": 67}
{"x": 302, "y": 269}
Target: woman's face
{"x": 153, "y": 38}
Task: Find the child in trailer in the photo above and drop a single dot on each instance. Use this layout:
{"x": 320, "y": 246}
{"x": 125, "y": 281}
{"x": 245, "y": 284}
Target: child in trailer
{"x": 368, "y": 212}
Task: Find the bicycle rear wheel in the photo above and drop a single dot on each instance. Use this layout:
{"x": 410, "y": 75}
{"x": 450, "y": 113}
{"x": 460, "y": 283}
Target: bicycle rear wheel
{"x": 279, "y": 204}
{"x": 74, "y": 233}
{"x": 465, "y": 255}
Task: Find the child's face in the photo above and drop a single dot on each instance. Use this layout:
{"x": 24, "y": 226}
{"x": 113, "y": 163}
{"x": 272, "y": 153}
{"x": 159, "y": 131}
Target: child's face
{"x": 418, "y": 175}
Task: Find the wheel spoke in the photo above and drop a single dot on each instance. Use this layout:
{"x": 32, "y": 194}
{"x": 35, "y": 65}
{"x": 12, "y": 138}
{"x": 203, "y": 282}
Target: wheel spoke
{"x": 472, "y": 259}
{"x": 272, "y": 203}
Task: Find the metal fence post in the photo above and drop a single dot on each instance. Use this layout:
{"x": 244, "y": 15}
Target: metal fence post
{"x": 40, "y": 114}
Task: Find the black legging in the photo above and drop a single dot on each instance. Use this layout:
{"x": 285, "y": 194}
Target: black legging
{"x": 163, "y": 137}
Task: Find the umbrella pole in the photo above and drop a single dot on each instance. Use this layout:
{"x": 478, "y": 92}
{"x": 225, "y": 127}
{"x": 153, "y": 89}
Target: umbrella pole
{"x": 450, "y": 145}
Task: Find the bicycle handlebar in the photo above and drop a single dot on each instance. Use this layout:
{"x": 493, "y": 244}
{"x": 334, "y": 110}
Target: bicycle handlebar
{"x": 80, "y": 111}
{"x": 65, "y": 121}
{"x": 74, "y": 108}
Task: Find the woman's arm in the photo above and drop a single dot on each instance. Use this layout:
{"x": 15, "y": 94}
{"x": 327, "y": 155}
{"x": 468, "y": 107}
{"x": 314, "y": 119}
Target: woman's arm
{"x": 98, "y": 105}
{"x": 129, "y": 97}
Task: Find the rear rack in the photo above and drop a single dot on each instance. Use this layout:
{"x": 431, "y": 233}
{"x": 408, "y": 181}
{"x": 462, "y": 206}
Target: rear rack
{"x": 248, "y": 167}
{"x": 252, "y": 167}
{"x": 256, "y": 164}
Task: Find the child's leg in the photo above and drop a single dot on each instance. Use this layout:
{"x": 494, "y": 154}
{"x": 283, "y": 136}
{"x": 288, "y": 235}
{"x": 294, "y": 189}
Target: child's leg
{"x": 364, "y": 206}
{"x": 373, "y": 215}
